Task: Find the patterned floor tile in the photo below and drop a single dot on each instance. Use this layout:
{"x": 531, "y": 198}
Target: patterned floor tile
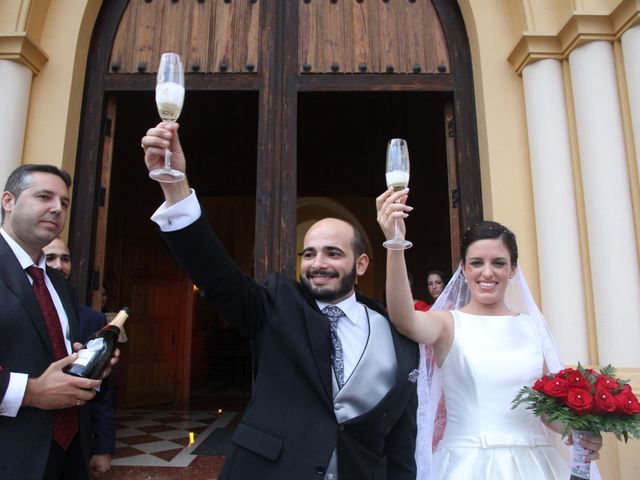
{"x": 150, "y": 439}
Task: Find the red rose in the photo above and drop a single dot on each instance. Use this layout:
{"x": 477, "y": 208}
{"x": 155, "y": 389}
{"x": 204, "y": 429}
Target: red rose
{"x": 606, "y": 383}
{"x": 539, "y": 385}
{"x": 576, "y": 380}
{"x": 579, "y": 400}
{"x": 626, "y": 401}
{"x": 565, "y": 372}
{"x": 626, "y": 388}
{"x": 556, "y": 388}
{"x": 603, "y": 402}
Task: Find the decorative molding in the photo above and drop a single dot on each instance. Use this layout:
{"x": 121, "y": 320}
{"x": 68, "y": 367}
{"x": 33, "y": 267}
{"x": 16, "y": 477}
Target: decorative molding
{"x": 579, "y": 29}
{"x": 20, "y": 48}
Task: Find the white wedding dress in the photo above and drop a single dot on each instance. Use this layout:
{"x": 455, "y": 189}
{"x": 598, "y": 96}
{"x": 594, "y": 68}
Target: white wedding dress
{"x": 490, "y": 359}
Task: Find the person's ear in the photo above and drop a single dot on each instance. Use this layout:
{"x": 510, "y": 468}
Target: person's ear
{"x": 362, "y": 262}
{"x": 7, "y": 201}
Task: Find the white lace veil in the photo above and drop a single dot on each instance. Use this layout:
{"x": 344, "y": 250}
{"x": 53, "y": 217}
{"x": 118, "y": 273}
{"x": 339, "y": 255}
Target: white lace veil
{"x": 431, "y": 419}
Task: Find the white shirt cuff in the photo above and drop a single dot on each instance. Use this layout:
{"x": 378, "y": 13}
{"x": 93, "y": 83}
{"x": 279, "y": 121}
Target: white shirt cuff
{"x": 13, "y": 396}
{"x": 179, "y": 215}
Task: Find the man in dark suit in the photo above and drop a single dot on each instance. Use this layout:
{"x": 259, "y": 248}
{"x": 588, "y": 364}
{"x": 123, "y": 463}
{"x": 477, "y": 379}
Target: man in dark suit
{"x": 43, "y": 433}
{"x": 102, "y": 407}
{"x": 334, "y": 395}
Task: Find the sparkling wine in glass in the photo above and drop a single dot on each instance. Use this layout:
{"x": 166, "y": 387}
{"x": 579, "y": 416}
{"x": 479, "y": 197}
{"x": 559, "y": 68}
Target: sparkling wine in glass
{"x": 169, "y": 100}
{"x": 397, "y": 177}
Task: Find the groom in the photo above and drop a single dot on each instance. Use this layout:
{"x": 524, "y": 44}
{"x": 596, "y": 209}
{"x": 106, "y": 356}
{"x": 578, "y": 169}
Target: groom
{"x": 333, "y": 397}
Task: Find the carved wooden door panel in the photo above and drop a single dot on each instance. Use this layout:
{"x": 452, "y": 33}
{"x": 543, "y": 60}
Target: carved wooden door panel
{"x": 142, "y": 274}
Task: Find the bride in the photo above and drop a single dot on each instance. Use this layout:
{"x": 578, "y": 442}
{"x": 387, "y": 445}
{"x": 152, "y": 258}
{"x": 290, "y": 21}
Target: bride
{"x": 483, "y": 352}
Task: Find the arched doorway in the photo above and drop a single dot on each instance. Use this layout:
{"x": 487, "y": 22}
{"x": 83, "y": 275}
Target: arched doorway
{"x": 296, "y": 99}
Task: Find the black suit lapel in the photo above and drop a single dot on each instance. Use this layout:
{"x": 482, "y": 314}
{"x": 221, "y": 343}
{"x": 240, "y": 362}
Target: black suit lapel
{"x": 319, "y": 340}
{"x": 16, "y": 280}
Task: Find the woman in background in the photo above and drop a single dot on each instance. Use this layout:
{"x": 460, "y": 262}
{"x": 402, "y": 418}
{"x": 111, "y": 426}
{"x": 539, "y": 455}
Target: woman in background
{"x": 436, "y": 280}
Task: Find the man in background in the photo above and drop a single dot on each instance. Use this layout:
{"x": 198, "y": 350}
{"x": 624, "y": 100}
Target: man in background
{"x": 102, "y": 407}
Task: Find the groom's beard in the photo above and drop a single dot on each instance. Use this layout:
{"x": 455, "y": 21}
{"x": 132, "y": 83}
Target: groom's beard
{"x": 328, "y": 294}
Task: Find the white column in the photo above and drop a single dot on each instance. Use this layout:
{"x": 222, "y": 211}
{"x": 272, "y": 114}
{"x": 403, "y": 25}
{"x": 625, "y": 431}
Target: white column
{"x": 15, "y": 87}
{"x": 605, "y": 178}
{"x": 561, "y": 279}
{"x": 630, "y": 41}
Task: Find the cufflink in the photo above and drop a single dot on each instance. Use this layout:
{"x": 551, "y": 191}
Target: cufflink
{"x": 413, "y": 375}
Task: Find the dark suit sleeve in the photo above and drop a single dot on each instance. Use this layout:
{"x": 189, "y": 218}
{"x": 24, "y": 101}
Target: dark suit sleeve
{"x": 102, "y": 407}
{"x": 236, "y": 296}
{"x": 400, "y": 444}
{"x": 4, "y": 382}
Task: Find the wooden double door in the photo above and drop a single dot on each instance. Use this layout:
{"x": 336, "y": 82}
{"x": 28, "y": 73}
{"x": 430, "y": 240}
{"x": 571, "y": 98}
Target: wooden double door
{"x": 288, "y": 110}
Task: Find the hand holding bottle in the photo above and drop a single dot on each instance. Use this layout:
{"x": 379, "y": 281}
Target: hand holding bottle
{"x": 100, "y": 353}
{"x": 54, "y": 389}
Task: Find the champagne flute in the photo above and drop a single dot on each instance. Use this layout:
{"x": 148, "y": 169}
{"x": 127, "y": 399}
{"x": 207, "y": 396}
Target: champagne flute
{"x": 169, "y": 100}
{"x": 397, "y": 177}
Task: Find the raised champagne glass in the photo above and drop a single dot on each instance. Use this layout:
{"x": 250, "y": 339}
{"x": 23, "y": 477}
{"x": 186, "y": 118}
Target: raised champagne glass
{"x": 169, "y": 100}
{"x": 398, "y": 178}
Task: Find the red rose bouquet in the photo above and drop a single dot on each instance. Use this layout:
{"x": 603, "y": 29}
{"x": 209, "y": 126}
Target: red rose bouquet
{"x": 582, "y": 400}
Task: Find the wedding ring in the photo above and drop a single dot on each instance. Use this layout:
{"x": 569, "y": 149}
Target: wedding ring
{"x": 77, "y": 403}
{"x": 386, "y": 212}
{"x": 142, "y": 146}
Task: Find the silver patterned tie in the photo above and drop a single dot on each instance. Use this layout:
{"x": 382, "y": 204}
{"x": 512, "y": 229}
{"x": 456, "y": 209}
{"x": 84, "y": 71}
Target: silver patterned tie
{"x": 333, "y": 313}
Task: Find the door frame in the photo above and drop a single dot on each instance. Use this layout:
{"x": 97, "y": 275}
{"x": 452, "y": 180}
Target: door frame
{"x": 278, "y": 85}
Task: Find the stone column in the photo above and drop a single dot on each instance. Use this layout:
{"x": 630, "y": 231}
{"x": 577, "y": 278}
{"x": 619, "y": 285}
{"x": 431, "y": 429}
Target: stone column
{"x": 561, "y": 279}
{"x": 610, "y": 227}
{"x": 630, "y": 41}
{"x": 15, "y": 87}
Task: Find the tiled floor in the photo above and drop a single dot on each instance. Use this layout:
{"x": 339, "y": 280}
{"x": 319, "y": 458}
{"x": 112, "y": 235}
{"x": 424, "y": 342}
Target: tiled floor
{"x": 155, "y": 444}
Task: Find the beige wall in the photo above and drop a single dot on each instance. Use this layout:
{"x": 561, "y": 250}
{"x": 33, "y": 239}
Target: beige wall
{"x": 494, "y": 27}
{"x": 56, "y": 96}
{"x": 62, "y": 30}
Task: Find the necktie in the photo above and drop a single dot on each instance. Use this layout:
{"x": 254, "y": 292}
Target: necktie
{"x": 65, "y": 424}
{"x": 333, "y": 313}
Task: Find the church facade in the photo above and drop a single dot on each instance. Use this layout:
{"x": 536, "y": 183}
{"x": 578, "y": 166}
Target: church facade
{"x": 526, "y": 112}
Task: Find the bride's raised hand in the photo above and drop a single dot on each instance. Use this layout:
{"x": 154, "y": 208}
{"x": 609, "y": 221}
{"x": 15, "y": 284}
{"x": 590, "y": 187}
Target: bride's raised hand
{"x": 391, "y": 206}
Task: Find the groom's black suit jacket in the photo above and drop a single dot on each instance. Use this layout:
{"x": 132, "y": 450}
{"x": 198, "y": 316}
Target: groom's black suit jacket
{"x": 289, "y": 429}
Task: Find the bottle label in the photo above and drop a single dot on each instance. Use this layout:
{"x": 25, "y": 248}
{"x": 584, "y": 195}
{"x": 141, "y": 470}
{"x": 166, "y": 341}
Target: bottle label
{"x": 86, "y": 354}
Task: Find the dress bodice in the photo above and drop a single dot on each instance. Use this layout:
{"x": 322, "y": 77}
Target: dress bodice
{"x": 490, "y": 359}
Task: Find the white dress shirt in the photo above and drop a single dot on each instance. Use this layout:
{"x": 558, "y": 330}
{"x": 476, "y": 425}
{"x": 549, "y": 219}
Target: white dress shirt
{"x": 18, "y": 381}
{"x": 353, "y": 331}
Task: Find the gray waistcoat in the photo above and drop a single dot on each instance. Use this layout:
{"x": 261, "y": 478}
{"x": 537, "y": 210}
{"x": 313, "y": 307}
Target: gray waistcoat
{"x": 370, "y": 381}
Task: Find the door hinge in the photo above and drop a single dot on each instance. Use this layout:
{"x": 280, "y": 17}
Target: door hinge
{"x": 102, "y": 194}
{"x": 107, "y": 127}
{"x": 455, "y": 198}
{"x": 451, "y": 127}
{"x": 95, "y": 280}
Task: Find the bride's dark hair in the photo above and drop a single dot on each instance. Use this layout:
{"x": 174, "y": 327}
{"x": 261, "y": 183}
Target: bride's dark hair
{"x": 488, "y": 230}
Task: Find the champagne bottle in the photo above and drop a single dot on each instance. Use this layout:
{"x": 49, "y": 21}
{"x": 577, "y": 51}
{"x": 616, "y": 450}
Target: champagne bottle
{"x": 94, "y": 356}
